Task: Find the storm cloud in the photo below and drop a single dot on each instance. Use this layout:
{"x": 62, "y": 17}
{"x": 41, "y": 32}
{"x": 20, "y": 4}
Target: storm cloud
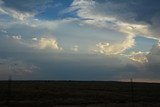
{"x": 80, "y": 39}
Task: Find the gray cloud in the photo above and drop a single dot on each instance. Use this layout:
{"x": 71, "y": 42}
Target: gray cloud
{"x": 154, "y": 59}
{"x": 76, "y": 66}
{"x": 143, "y": 10}
{"x": 15, "y": 67}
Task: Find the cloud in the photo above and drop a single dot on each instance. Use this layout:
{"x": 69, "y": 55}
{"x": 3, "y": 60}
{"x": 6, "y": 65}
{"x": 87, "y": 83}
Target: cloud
{"x": 123, "y": 17}
{"x": 49, "y": 24}
{"x": 119, "y": 48}
{"x": 19, "y": 44}
{"x": 107, "y": 15}
{"x": 17, "y": 37}
{"x": 49, "y": 43}
{"x": 12, "y": 44}
{"x": 154, "y": 55}
{"x": 140, "y": 57}
{"x": 155, "y": 25}
{"x": 15, "y": 14}
{"x": 34, "y": 39}
{"x": 108, "y": 27}
{"x": 28, "y": 6}
{"x": 113, "y": 16}
{"x": 75, "y": 48}
{"x": 3, "y": 31}
{"x": 11, "y": 66}
{"x": 23, "y": 9}
{"x": 120, "y": 16}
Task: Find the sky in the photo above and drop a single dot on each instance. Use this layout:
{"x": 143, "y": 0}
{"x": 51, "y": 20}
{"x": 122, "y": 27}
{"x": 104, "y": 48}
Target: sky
{"x": 104, "y": 40}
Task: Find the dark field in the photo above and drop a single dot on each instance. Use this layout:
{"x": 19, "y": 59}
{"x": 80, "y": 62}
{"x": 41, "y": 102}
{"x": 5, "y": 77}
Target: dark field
{"x": 78, "y": 94}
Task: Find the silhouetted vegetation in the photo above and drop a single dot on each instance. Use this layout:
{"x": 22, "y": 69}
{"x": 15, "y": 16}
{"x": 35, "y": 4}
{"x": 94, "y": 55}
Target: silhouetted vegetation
{"x": 76, "y": 93}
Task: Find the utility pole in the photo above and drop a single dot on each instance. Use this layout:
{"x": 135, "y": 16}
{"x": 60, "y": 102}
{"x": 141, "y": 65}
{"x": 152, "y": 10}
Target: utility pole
{"x": 9, "y": 91}
{"x": 132, "y": 92}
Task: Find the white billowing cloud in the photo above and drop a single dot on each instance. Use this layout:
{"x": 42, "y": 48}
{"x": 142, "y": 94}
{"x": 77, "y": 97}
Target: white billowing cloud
{"x": 140, "y": 57}
{"x": 106, "y": 48}
{"x": 75, "y": 48}
{"x": 15, "y": 66}
{"x": 50, "y": 43}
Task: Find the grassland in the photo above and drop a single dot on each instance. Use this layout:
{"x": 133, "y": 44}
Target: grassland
{"x": 78, "y": 94}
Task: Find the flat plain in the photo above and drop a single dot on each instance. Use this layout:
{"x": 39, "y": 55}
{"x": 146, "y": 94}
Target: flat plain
{"x": 78, "y": 94}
